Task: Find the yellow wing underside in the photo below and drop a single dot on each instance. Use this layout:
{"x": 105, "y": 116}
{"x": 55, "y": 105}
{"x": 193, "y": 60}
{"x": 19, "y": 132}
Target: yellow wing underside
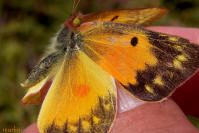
{"x": 81, "y": 98}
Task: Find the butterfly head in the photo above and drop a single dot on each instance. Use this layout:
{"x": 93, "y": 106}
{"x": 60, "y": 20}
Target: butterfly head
{"x": 66, "y": 37}
{"x": 74, "y": 21}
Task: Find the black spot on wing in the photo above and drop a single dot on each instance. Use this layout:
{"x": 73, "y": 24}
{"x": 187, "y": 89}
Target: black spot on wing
{"x": 114, "y": 18}
{"x": 80, "y": 129}
{"x": 65, "y": 128}
{"x": 101, "y": 107}
{"x": 53, "y": 129}
{"x": 134, "y": 41}
{"x": 92, "y": 130}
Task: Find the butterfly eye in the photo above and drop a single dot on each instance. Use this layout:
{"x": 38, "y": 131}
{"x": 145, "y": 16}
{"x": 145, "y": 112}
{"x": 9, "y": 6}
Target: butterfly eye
{"x": 76, "y": 21}
{"x": 134, "y": 41}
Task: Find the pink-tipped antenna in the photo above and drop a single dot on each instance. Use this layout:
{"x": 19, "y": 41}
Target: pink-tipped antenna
{"x": 75, "y": 4}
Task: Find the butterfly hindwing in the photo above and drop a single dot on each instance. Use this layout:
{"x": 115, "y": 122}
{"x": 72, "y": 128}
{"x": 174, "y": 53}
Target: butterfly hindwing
{"x": 141, "y": 17}
{"x": 149, "y": 65}
{"x": 75, "y": 103}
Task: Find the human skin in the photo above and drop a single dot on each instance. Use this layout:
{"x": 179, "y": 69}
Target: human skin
{"x": 164, "y": 117}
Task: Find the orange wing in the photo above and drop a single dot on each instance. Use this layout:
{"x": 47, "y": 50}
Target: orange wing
{"x": 149, "y": 65}
{"x": 141, "y": 17}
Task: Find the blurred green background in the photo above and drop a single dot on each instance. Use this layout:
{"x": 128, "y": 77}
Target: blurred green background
{"x": 26, "y": 27}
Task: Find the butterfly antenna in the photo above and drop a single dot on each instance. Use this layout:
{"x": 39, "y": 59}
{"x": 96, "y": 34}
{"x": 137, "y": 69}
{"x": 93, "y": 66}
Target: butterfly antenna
{"x": 75, "y": 4}
{"x": 73, "y": 10}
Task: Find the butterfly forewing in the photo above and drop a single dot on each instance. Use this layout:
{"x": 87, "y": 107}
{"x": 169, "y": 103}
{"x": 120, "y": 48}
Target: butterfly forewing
{"x": 149, "y": 65}
{"x": 141, "y": 17}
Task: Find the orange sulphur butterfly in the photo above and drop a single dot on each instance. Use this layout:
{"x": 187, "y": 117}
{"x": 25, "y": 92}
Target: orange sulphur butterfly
{"x": 88, "y": 52}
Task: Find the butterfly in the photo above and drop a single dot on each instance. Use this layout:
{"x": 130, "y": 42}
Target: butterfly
{"x": 75, "y": 80}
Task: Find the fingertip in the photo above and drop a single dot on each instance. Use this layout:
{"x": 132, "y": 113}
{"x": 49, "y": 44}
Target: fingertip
{"x": 153, "y": 117}
{"x": 31, "y": 129}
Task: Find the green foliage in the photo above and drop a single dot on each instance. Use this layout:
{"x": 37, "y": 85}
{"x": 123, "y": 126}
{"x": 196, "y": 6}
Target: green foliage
{"x": 26, "y": 27}
{"x": 194, "y": 121}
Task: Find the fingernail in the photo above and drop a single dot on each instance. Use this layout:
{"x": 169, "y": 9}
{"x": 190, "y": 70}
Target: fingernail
{"x": 126, "y": 101}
